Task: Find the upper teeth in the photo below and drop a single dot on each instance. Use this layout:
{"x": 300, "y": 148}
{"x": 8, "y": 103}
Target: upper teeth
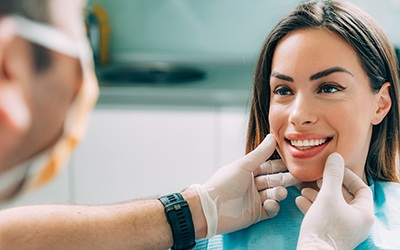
{"x": 307, "y": 143}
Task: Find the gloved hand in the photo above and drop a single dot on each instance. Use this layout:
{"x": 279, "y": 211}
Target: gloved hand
{"x": 270, "y": 178}
{"x": 230, "y": 199}
{"x": 331, "y": 222}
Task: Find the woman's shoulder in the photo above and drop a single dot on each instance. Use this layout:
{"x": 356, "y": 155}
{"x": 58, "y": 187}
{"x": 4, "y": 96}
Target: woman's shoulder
{"x": 386, "y": 193}
{"x": 389, "y": 187}
{"x": 384, "y": 233}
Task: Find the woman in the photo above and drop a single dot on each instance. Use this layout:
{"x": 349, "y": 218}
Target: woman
{"x": 327, "y": 81}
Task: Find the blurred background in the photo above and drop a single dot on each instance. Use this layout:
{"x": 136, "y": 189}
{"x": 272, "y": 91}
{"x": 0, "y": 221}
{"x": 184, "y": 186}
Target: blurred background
{"x": 175, "y": 80}
{"x": 226, "y": 28}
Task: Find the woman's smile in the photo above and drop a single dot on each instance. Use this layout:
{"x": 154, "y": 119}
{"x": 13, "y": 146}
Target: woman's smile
{"x": 306, "y": 148}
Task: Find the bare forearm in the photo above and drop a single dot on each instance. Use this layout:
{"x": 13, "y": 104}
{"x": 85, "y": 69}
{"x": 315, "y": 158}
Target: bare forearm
{"x": 133, "y": 225}
{"x": 138, "y": 225}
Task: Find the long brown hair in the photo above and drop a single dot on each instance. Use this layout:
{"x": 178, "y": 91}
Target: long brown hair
{"x": 377, "y": 58}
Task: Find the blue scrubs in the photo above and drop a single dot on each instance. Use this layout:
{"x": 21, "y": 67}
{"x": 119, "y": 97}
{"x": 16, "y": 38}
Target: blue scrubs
{"x": 282, "y": 231}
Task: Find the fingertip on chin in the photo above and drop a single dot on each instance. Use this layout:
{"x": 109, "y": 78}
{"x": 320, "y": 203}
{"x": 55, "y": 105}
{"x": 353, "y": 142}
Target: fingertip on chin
{"x": 281, "y": 193}
{"x": 301, "y": 204}
{"x": 336, "y": 157}
{"x": 271, "y": 207}
{"x": 270, "y": 138}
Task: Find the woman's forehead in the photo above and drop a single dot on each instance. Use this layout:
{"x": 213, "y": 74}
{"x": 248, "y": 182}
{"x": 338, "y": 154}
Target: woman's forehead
{"x": 313, "y": 48}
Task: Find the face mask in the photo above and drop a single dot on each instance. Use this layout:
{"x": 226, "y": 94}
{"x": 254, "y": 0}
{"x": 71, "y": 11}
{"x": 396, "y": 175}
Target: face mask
{"x": 45, "y": 166}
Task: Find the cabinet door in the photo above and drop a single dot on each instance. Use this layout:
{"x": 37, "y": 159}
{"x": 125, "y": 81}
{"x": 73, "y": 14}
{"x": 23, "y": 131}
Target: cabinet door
{"x": 139, "y": 153}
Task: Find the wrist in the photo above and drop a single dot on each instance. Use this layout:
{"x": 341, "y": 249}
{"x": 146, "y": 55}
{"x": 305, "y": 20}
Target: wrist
{"x": 179, "y": 217}
{"x": 199, "y": 221}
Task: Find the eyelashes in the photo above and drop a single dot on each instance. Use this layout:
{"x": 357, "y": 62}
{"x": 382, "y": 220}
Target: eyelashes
{"x": 325, "y": 88}
{"x": 282, "y": 91}
{"x": 328, "y": 88}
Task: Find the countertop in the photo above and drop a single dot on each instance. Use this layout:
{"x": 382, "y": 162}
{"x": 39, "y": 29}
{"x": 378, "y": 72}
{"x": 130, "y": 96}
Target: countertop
{"x": 224, "y": 84}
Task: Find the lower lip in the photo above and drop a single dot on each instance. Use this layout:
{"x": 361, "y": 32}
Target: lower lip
{"x": 307, "y": 153}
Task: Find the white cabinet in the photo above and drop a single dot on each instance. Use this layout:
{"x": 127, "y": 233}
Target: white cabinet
{"x": 140, "y": 152}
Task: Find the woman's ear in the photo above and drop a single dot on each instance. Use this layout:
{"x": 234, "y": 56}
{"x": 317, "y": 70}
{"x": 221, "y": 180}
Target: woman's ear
{"x": 384, "y": 103}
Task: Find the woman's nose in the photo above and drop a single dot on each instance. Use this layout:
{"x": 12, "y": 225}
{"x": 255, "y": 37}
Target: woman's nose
{"x": 303, "y": 112}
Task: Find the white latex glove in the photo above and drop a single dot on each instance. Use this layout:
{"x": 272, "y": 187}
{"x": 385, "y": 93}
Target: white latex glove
{"x": 230, "y": 199}
{"x": 331, "y": 222}
{"x": 270, "y": 178}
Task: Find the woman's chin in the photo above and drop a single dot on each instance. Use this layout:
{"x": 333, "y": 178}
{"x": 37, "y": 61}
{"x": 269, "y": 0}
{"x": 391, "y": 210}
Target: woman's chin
{"x": 306, "y": 175}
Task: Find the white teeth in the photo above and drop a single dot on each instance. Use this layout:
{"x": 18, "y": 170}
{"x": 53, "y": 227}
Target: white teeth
{"x": 307, "y": 143}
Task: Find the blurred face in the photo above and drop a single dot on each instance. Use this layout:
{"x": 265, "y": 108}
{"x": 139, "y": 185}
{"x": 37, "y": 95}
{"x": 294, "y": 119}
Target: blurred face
{"x": 55, "y": 89}
{"x": 43, "y": 113}
{"x": 321, "y": 103}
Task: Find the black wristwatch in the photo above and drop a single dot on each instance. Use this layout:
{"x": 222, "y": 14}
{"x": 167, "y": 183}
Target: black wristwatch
{"x": 180, "y": 219}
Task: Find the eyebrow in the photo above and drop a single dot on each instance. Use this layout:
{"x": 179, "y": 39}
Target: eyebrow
{"x": 328, "y": 72}
{"x": 315, "y": 76}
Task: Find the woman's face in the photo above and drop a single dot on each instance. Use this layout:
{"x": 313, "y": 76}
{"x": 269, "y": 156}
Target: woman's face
{"x": 321, "y": 103}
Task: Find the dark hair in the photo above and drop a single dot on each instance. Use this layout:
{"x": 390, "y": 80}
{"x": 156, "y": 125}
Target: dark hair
{"x": 377, "y": 58}
{"x": 36, "y": 10}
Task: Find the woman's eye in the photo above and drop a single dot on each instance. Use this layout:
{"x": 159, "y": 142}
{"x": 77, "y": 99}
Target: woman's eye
{"x": 282, "y": 90}
{"x": 329, "y": 88}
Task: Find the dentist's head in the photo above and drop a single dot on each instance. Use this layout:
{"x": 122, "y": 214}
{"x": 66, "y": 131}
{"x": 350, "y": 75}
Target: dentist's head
{"x": 47, "y": 86}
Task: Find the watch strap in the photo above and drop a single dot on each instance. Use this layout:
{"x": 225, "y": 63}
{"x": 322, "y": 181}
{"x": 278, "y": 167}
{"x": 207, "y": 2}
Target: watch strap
{"x": 180, "y": 219}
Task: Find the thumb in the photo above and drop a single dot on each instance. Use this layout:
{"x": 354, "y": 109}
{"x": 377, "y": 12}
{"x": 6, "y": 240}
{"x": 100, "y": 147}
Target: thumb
{"x": 260, "y": 154}
{"x": 333, "y": 174}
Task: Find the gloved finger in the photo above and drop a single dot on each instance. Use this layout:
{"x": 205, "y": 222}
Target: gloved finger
{"x": 303, "y": 204}
{"x": 309, "y": 193}
{"x": 270, "y": 167}
{"x": 276, "y": 193}
{"x": 319, "y": 183}
{"x": 259, "y": 155}
{"x": 333, "y": 175}
{"x": 356, "y": 186}
{"x": 353, "y": 182}
{"x": 273, "y": 180}
{"x": 348, "y": 197}
{"x": 271, "y": 209}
